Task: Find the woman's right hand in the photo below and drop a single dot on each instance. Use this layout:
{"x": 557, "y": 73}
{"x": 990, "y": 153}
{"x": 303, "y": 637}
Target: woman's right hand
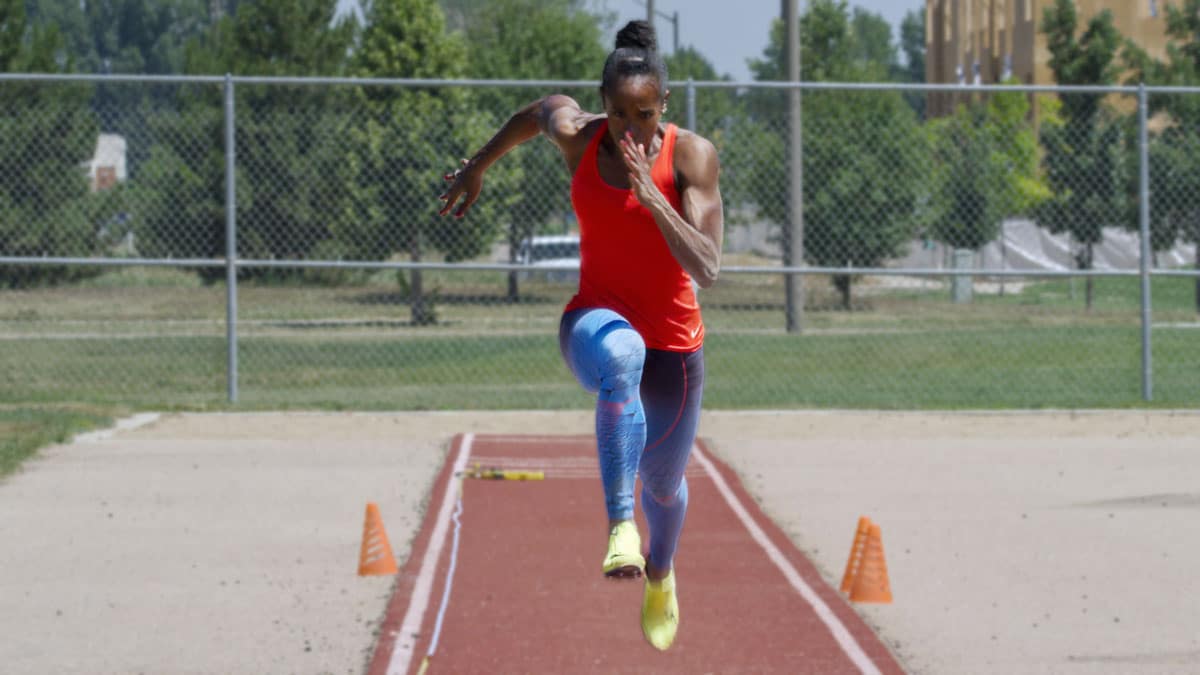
{"x": 465, "y": 183}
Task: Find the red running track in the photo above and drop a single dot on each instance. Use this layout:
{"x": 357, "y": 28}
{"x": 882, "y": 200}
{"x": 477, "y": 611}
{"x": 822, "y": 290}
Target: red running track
{"x": 527, "y": 596}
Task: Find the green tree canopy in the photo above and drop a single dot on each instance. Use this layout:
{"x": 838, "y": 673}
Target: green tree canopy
{"x": 46, "y": 134}
{"x": 874, "y": 46}
{"x": 912, "y": 43}
{"x": 289, "y": 139}
{"x": 1088, "y": 59}
{"x": 864, "y": 155}
{"x": 409, "y": 138}
{"x": 536, "y": 40}
{"x": 986, "y": 169}
{"x": 1084, "y": 160}
{"x": 126, "y": 36}
{"x": 716, "y": 109}
{"x": 1174, "y": 170}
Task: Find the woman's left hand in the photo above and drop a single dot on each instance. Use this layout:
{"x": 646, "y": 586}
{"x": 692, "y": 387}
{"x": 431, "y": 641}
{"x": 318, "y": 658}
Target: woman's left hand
{"x": 639, "y": 165}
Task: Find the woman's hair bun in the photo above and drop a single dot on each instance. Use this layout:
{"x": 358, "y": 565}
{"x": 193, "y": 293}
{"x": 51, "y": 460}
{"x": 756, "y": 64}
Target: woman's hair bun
{"x": 639, "y": 35}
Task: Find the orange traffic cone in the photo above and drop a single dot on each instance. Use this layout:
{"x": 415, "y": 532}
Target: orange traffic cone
{"x": 856, "y": 549}
{"x": 376, "y": 555}
{"x": 871, "y": 581}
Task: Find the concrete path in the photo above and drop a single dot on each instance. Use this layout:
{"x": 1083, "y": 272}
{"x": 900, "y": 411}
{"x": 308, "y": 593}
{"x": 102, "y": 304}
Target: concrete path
{"x": 228, "y": 543}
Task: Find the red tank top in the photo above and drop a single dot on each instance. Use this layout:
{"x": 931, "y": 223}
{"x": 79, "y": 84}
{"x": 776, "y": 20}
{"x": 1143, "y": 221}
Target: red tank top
{"x": 625, "y": 263}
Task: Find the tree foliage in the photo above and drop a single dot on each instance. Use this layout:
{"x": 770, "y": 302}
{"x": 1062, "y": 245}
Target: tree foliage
{"x": 289, "y": 140}
{"x": 1175, "y": 213}
{"x": 874, "y": 48}
{"x": 1084, "y": 160}
{"x": 863, "y": 163}
{"x": 986, "y": 169}
{"x": 535, "y": 40}
{"x": 720, "y": 116}
{"x": 912, "y": 43}
{"x": 408, "y": 139}
{"x": 126, "y": 36}
{"x": 46, "y": 136}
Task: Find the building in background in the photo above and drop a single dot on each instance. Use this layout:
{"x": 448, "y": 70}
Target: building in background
{"x": 984, "y": 41}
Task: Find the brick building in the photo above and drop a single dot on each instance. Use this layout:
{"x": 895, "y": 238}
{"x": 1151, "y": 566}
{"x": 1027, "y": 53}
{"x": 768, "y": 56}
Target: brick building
{"x": 983, "y": 41}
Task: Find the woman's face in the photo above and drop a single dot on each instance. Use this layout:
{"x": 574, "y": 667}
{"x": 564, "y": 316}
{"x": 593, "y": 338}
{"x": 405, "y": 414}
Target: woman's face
{"x": 634, "y": 104}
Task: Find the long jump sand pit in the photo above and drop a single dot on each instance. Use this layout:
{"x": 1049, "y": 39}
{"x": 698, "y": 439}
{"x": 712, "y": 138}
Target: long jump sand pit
{"x": 1032, "y": 543}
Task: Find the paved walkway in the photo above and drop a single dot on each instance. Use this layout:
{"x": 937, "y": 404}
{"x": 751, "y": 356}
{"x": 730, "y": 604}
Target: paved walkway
{"x": 1030, "y": 543}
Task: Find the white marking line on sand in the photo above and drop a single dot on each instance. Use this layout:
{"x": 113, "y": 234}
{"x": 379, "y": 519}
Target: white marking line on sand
{"x": 410, "y": 627}
{"x": 840, "y": 633}
{"x": 537, "y": 461}
{"x": 126, "y": 424}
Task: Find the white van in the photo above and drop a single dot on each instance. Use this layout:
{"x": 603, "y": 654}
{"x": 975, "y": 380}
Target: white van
{"x": 552, "y": 257}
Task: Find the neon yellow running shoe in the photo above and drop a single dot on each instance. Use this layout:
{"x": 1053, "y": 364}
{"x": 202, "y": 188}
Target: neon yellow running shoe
{"x": 624, "y": 559}
{"x": 660, "y": 611}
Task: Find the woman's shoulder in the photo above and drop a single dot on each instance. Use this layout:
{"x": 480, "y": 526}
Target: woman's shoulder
{"x": 689, "y": 141}
{"x": 564, "y": 121}
{"x": 693, "y": 152}
{"x": 592, "y": 125}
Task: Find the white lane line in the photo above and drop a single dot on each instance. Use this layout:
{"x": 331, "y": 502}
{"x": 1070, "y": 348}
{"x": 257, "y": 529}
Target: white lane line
{"x": 410, "y": 627}
{"x": 126, "y": 424}
{"x": 840, "y": 633}
{"x": 538, "y": 461}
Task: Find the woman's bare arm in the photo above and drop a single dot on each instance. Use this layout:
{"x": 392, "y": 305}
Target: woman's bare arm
{"x": 557, "y": 116}
{"x": 696, "y": 236}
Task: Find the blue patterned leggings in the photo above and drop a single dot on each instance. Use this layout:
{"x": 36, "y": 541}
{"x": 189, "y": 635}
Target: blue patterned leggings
{"x": 647, "y": 410}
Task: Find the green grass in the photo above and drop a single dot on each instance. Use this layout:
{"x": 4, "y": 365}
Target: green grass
{"x": 155, "y": 339}
{"x": 1021, "y": 367}
{"x": 23, "y": 430}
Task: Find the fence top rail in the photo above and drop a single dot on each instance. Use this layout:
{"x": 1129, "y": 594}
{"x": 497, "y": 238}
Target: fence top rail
{"x": 81, "y": 77}
{"x": 705, "y": 84}
{"x": 517, "y": 267}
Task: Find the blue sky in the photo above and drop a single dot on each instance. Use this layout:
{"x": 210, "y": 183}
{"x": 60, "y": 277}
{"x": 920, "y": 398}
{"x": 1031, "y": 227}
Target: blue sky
{"x": 728, "y": 33}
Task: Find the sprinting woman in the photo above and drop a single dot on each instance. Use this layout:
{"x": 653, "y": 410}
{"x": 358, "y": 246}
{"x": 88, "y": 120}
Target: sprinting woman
{"x": 648, "y": 203}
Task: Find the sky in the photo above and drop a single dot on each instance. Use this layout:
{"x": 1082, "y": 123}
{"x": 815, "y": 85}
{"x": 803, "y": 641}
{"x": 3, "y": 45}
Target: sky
{"x": 728, "y": 33}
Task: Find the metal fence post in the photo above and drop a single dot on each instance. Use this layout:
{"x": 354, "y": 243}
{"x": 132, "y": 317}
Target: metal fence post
{"x": 230, "y": 243}
{"x": 793, "y": 233}
{"x": 1144, "y": 226}
{"x": 691, "y": 105}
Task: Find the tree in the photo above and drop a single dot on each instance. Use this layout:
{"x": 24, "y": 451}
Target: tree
{"x": 409, "y": 139}
{"x": 290, "y": 140}
{"x": 987, "y": 170}
{"x": 531, "y": 39}
{"x": 1174, "y": 179}
{"x": 874, "y": 48}
{"x": 1083, "y": 156}
{"x": 716, "y": 108}
{"x": 863, "y": 151}
{"x": 138, "y": 37}
{"x": 721, "y": 116}
{"x": 912, "y": 43}
{"x": 46, "y": 132}
{"x": 125, "y": 36}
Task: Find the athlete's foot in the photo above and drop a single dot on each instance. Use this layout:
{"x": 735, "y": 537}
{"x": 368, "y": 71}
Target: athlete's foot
{"x": 624, "y": 558}
{"x": 660, "y": 611}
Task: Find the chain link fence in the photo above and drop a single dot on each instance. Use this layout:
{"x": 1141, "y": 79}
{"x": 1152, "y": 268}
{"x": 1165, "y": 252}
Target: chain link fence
{"x": 275, "y": 242}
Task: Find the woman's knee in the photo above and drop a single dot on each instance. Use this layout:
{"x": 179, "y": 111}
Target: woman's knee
{"x": 620, "y": 355}
{"x": 665, "y": 492}
{"x": 604, "y": 351}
